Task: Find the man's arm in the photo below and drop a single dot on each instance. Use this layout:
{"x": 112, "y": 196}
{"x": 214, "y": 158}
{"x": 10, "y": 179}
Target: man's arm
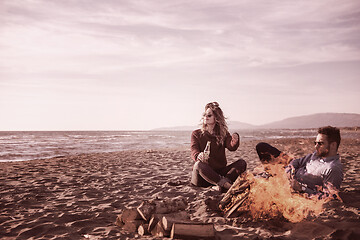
{"x": 311, "y": 184}
{"x": 334, "y": 177}
{"x": 299, "y": 178}
{"x": 306, "y": 183}
{"x": 301, "y": 162}
{"x": 331, "y": 184}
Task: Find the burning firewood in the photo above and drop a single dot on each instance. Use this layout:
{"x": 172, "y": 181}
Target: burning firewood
{"x": 235, "y": 196}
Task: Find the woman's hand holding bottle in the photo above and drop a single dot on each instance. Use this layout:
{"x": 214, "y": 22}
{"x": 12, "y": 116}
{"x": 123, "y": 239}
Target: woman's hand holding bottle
{"x": 204, "y": 156}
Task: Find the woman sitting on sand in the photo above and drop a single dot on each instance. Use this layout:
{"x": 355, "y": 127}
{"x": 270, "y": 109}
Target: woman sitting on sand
{"x": 212, "y": 170}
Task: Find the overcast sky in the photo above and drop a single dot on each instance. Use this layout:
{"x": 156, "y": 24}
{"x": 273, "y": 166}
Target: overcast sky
{"x": 139, "y": 65}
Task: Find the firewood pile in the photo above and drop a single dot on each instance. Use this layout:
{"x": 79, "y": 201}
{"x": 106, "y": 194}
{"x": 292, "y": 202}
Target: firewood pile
{"x": 164, "y": 218}
{"x": 236, "y": 196}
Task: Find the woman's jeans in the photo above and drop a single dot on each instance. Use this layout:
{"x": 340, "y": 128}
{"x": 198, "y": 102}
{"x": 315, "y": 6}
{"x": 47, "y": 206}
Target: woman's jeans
{"x": 204, "y": 176}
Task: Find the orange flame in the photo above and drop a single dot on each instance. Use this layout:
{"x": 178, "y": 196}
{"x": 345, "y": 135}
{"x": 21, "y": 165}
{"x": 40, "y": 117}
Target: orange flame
{"x": 274, "y": 197}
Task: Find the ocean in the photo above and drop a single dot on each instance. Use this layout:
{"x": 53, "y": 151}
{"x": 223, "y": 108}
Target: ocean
{"x": 31, "y": 145}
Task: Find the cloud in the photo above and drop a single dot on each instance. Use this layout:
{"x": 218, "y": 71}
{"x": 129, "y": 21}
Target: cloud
{"x": 250, "y": 33}
{"x": 152, "y": 51}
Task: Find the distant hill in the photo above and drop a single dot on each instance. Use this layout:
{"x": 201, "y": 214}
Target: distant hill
{"x": 307, "y": 121}
{"x": 178, "y": 128}
{"x": 317, "y": 120}
{"x": 231, "y": 124}
{"x": 240, "y": 125}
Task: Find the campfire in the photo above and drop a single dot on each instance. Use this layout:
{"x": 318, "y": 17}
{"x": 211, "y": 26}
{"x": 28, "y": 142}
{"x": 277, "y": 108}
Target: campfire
{"x": 269, "y": 195}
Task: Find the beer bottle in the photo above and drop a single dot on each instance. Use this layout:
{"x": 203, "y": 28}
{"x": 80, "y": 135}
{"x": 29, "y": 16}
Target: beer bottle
{"x": 207, "y": 151}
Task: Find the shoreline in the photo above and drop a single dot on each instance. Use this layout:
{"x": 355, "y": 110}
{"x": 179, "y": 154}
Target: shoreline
{"x": 79, "y": 196}
{"x": 28, "y": 146}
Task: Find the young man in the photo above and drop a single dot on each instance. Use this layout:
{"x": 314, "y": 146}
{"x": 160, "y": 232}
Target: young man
{"x": 321, "y": 168}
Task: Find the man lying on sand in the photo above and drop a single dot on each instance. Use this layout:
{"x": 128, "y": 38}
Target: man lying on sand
{"x": 316, "y": 171}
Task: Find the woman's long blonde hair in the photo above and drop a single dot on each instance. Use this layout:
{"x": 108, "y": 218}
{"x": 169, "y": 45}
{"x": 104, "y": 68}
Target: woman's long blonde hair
{"x": 220, "y": 128}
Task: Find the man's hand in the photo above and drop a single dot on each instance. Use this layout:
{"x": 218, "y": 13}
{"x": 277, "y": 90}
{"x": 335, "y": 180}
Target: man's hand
{"x": 295, "y": 185}
{"x": 290, "y": 171}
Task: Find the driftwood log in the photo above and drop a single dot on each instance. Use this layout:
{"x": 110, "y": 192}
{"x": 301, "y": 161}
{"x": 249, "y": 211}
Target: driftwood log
{"x": 129, "y": 219}
{"x": 143, "y": 229}
{"x": 193, "y": 231}
{"x": 148, "y": 208}
{"x": 153, "y": 221}
{"x": 130, "y": 214}
{"x": 159, "y": 231}
{"x": 169, "y": 219}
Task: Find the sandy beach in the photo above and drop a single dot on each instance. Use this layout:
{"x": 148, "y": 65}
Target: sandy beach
{"x": 80, "y": 196}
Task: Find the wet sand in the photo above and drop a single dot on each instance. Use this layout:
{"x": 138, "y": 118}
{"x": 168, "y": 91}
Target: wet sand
{"x": 79, "y": 197}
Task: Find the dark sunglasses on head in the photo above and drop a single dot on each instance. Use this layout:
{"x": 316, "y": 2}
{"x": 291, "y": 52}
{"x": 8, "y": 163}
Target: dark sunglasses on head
{"x": 208, "y": 115}
{"x": 215, "y": 104}
{"x": 319, "y": 143}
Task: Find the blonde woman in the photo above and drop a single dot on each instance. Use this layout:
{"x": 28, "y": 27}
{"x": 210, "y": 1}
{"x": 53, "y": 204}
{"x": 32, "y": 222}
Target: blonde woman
{"x": 213, "y": 170}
